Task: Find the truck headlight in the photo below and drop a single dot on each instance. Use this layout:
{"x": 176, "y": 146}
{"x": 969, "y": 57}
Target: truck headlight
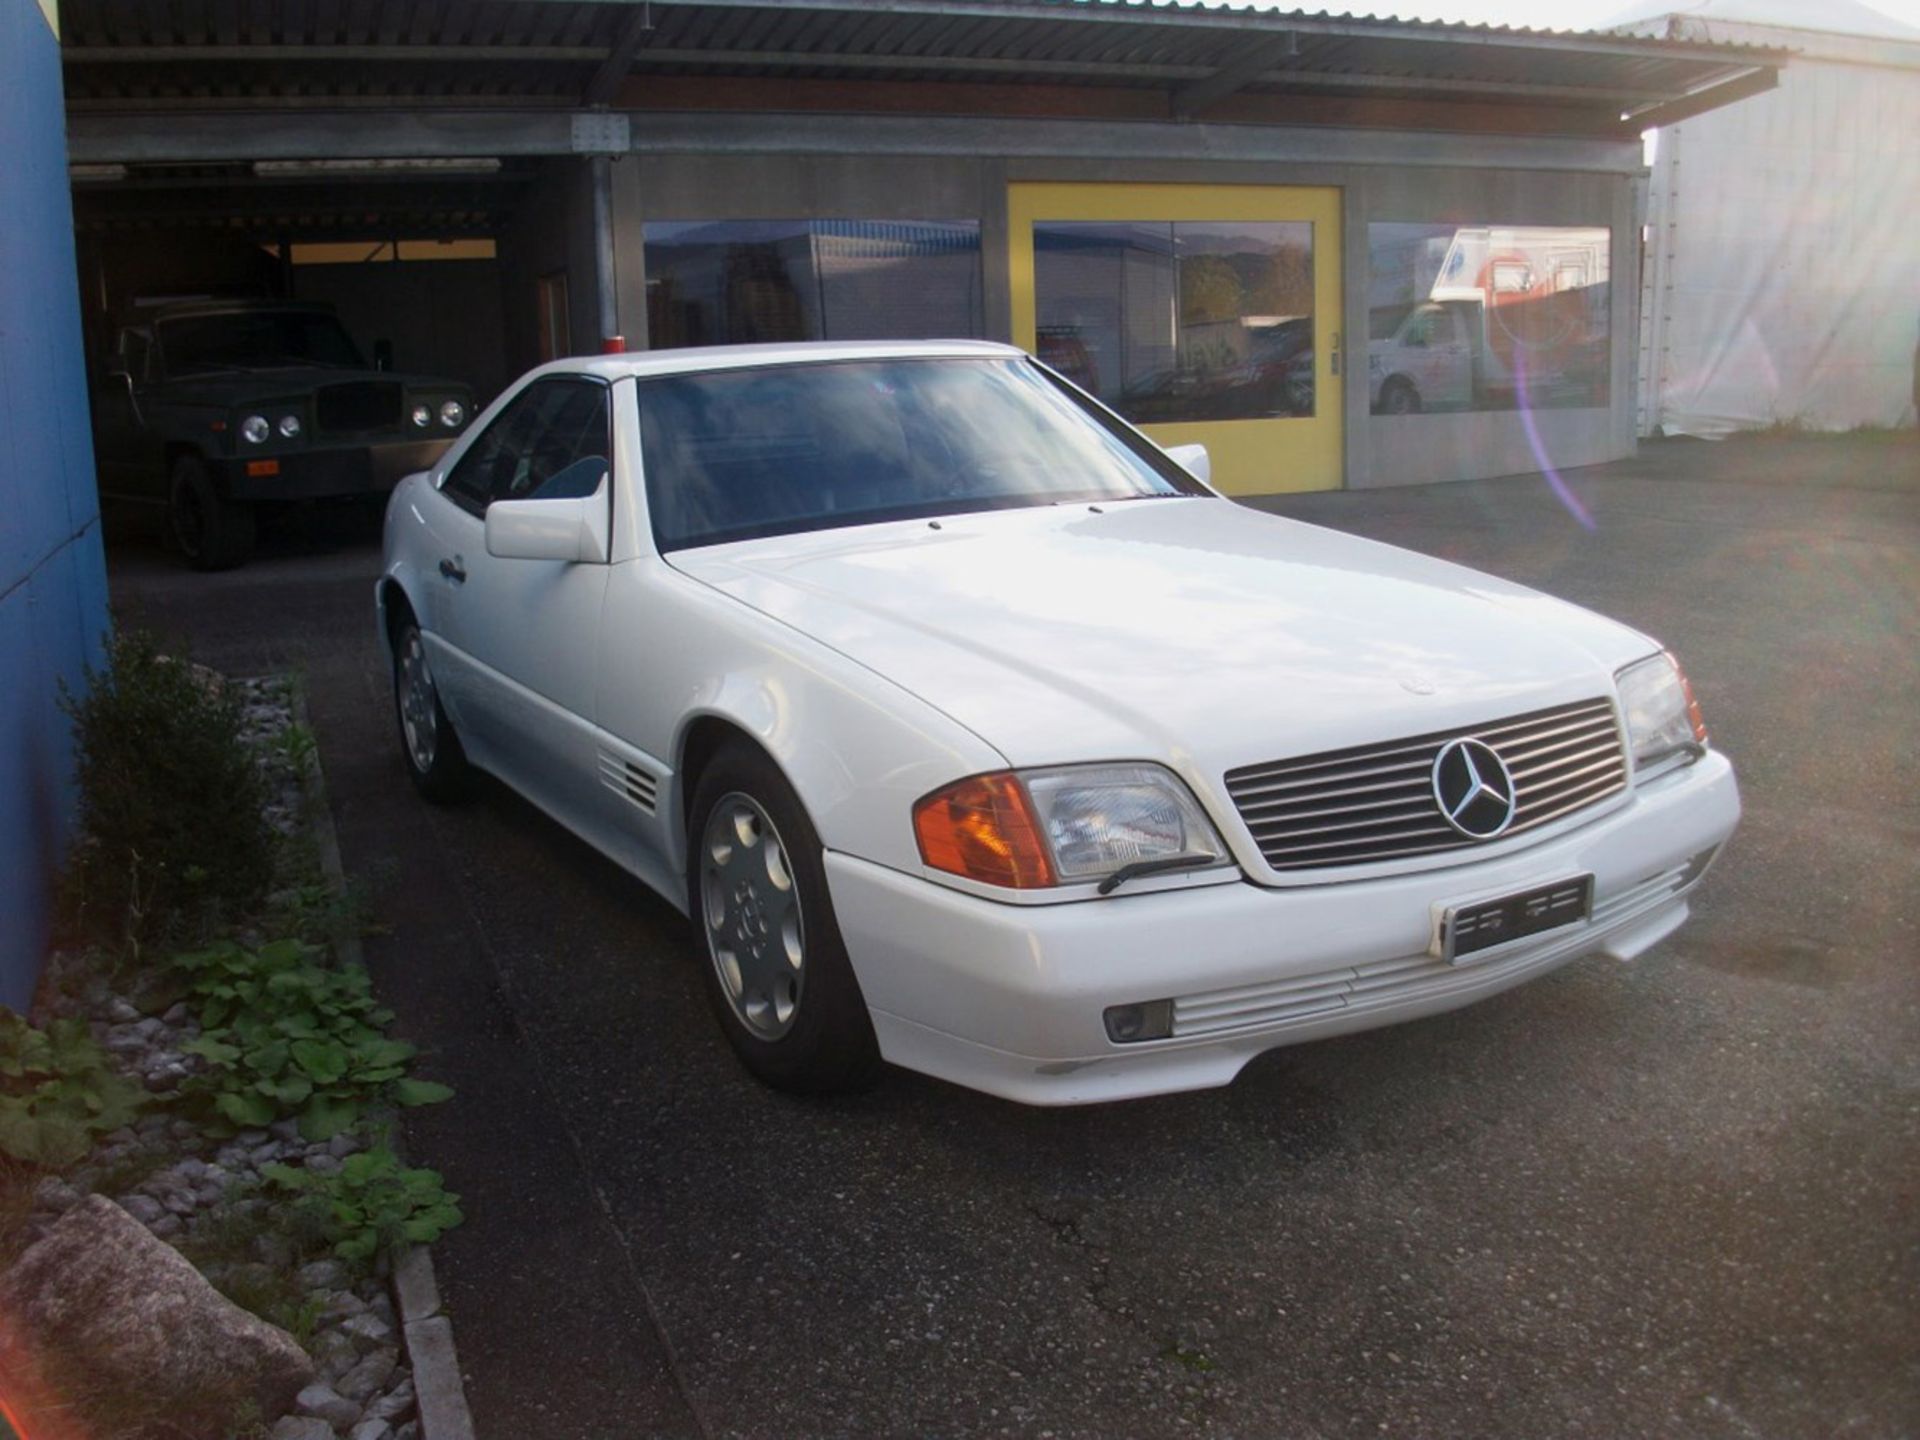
{"x": 1065, "y": 825}
{"x": 289, "y": 427}
{"x": 422, "y": 416}
{"x": 255, "y": 429}
{"x": 1663, "y": 719}
{"x": 453, "y": 414}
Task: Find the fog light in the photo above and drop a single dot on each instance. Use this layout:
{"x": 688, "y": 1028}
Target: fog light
{"x": 1128, "y": 1024}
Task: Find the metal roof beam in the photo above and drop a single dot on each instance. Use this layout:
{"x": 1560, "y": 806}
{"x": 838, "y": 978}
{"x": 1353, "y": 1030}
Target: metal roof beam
{"x": 607, "y": 79}
{"x": 171, "y": 136}
{"x": 280, "y": 54}
{"x": 1252, "y": 63}
{"x": 1756, "y": 81}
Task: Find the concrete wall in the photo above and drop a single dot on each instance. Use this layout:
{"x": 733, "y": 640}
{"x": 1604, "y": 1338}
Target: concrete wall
{"x": 53, "y": 606}
{"x": 1598, "y": 190}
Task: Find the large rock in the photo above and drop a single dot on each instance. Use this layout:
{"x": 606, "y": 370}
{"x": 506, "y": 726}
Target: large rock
{"x": 129, "y": 1334}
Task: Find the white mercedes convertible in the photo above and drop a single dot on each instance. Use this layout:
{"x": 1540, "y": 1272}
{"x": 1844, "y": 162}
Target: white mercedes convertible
{"x": 975, "y": 733}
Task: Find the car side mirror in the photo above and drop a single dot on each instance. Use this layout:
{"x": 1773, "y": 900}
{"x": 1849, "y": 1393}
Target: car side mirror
{"x": 1194, "y": 460}
{"x": 383, "y": 354}
{"x": 577, "y": 530}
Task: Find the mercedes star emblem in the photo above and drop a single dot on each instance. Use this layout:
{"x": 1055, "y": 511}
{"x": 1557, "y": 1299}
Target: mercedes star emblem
{"x": 1473, "y": 788}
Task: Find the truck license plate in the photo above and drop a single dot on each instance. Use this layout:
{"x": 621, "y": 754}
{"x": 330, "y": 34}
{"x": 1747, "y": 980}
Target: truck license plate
{"x": 1466, "y": 929}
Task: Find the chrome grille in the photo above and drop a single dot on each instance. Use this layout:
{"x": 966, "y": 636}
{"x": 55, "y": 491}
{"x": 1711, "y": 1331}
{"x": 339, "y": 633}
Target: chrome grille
{"x": 1375, "y": 802}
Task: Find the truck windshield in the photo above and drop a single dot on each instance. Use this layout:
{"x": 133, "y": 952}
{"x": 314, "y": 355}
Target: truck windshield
{"x": 1385, "y": 321}
{"x": 256, "y": 340}
{"x": 735, "y": 454}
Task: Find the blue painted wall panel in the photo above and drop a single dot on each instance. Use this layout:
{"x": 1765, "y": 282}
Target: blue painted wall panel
{"x": 53, "y": 610}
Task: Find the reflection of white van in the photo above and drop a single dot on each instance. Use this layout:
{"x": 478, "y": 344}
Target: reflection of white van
{"x": 1421, "y": 357}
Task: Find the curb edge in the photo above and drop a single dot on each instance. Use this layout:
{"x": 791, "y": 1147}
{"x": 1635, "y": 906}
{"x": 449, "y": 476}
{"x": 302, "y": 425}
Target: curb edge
{"x": 416, "y": 1292}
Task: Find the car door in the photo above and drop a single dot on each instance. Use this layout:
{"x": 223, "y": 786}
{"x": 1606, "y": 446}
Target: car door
{"x": 126, "y": 450}
{"x": 512, "y": 641}
{"x": 1452, "y": 350}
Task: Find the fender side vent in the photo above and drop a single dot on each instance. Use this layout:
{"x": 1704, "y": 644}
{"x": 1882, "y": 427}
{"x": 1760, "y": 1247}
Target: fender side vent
{"x": 623, "y": 777}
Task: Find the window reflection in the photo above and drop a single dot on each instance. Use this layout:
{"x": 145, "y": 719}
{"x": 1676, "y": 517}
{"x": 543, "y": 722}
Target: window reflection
{"x": 725, "y": 282}
{"x": 1487, "y": 317}
{"x": 1179, "y": 321}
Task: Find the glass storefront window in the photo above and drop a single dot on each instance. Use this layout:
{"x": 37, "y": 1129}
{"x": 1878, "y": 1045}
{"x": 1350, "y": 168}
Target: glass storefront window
{"x": 1487, "y": 317}
{"x": 1179, "y": 320}
{"x": 724, "y": 282}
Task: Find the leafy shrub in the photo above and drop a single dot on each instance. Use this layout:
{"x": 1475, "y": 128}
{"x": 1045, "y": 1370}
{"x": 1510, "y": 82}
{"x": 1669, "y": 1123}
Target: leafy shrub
{"x": 173, "y": 834}
{"x": 58, "y": 1091}
{"x": 372, "y": 1204}
{"x": 284, "y": 1035}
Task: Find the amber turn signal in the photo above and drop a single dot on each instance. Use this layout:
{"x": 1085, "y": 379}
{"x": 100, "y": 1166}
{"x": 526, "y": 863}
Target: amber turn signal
{"x": 1694, "y": 717}
{"x": 983, "y": 828}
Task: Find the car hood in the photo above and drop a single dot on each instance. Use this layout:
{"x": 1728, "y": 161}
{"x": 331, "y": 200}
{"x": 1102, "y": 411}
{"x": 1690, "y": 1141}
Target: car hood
{"x": 292, "y": 383}
{"x": 1195, "y": 631}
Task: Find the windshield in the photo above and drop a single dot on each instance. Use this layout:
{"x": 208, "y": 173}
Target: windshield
{"x": 733, "y": 454}
{"x": 1385, "y": 321}
{"x": 256, "y": 340}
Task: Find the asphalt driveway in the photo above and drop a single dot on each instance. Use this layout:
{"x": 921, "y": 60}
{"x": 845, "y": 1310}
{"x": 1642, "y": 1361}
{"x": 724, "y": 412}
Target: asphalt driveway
{"x": 1680, "y": 1197}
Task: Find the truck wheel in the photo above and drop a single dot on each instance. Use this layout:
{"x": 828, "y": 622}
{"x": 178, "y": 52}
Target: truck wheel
{"x": 1399, "y": 398}
{"x": 214, "y": 534}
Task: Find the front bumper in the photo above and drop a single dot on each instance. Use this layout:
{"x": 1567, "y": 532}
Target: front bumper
{"x": 1009, "y": 999}
{"x": 327, "y": 471}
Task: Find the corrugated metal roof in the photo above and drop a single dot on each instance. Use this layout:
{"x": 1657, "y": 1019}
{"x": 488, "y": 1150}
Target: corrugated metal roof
{"x": 206, "y": 53}
{"x": 164, "y": 64}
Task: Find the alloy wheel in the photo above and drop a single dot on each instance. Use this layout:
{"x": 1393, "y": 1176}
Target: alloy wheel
{"x": 752, "y": 916}
{"x": 418, "y": 719}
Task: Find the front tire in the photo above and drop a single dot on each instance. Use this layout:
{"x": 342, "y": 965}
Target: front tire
{"x": 435, "y": 762}
{"x": 775, "y": 967}
{"x": 1400, "y": 398}
{"x": 212, "y": 533}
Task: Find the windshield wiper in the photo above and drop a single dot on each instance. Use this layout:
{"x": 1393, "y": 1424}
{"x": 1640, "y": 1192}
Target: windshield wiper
{"x": 1190, "y": 861}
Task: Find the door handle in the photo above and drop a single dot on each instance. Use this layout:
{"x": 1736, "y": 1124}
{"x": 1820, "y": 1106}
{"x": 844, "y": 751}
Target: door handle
{"x": 453, "y": 571}
{"x": 1336, "y": 352}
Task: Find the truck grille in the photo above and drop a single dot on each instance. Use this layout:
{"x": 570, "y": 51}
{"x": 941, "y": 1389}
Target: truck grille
{"x": 1375, "y": 802}
{"x": 357, "y": 405}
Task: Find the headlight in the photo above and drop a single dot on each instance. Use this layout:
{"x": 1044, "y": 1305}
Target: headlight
{"x": 1661, "y": 714}
{"x": 453, "y": 414}
{"x": 422, "y": 416}
{"x": 254, "y": 429}
{"x": 1064, "y": 826}
{"x": 290, "y": 426}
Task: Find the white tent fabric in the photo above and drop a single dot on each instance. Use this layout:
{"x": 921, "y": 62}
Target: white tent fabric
{"x": 1782, "y": 275}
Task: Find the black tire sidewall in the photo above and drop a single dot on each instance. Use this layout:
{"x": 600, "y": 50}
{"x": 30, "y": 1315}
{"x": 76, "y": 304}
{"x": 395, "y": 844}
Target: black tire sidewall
{"x": 226, "y": 528}
{"x": 830, "y": 1046}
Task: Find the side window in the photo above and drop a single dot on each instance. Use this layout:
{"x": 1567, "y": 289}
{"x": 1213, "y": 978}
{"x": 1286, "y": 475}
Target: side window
{"x": 551, "y": 443}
